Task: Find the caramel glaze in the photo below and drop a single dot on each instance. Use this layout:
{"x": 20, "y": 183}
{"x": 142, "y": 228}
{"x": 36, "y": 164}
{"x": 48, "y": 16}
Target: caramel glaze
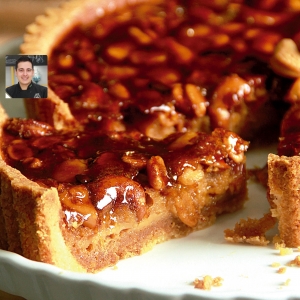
{"x": 198, "y": 42}
{"x": 97, "y": 173}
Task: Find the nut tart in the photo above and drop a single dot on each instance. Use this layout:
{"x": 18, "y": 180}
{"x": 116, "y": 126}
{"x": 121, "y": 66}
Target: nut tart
{"x": 167, "y": 66}
{"x": 82, "y": 200}
{"x": 173, "y": 66}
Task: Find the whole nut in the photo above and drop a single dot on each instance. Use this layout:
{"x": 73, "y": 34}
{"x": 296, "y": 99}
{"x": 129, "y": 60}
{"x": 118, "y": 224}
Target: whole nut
{"x": 196, "y": 99}
{"x": 235, "y": 147}
{"x": 18, "y": 149}
{"x": 136, "y": 160}
{"x": 68, "y": 169}
{"x": 119, "y": 51}
{"x": 286, "y": 59}
{"x": 76, "y": 198}
{"x": 157, "y": 172}
{"x": 28, "y": 128}
{"x": 229, "y": 96}
{"x": 183, "y": 140}
{"x": 115, "y": 191}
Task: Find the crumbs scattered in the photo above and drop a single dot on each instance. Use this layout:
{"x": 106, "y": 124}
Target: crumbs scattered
{"x": 287, "y": 282}
{"x": 278, "y": 242}
{"x": 285, "y": 251}
{"x": 207, "y": 282}
{"x": 280, "y": 245}
{"x": 251, "y": 231}
{"x": 281, "y": 270}
{"x": 295, "y": 262}
{"x": 275, "y": 264}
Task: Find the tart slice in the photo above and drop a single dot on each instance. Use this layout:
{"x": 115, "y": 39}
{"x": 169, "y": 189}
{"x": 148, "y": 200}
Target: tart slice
{"x": 84, "y": 200}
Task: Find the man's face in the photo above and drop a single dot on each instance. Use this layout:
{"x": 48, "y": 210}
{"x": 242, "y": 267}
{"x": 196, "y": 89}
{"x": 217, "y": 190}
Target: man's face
{"x": 24, "y": 72}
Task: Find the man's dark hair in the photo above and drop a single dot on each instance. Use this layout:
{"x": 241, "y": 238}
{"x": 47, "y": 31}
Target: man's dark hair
{"x": 21, "y": 59}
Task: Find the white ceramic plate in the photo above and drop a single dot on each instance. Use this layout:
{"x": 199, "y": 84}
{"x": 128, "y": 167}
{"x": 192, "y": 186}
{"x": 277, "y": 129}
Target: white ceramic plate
{"x": 166, "y": 272}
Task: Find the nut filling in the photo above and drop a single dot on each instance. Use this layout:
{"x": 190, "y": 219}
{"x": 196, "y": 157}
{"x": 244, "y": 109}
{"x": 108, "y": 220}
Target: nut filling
{"x": 102, "y": 178}
{"x": 179, "y": 65}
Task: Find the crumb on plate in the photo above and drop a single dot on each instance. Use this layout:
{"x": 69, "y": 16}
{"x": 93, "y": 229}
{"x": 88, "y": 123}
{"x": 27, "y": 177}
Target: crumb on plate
{"x": 285, "y": 251}
{"x": 278, "y": 242}
{"x": 207, "y": 282}
{"x": 281, "y": 270}
{"x": 275, "y": 264}
{"x": 295, "y": 262}
{"x": 287, "y": 282}
{"x": 251, "y": 231}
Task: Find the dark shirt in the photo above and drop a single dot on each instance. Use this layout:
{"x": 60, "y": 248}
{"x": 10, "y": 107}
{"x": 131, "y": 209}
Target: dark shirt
{"x": 33, "y": 91}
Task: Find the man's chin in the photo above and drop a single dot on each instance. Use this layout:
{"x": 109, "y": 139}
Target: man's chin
{"x": 25, "y": 82}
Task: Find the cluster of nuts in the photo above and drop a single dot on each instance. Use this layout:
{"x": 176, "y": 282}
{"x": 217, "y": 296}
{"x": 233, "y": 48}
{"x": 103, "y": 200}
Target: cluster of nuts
{"x": 164, "y": 67}
{"x": 97, "y": 174}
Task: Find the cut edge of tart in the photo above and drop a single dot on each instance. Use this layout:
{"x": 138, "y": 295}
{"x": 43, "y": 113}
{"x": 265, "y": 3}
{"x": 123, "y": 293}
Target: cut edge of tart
{"x": 166, "y": 197}
{"x": 29, "y": 230}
